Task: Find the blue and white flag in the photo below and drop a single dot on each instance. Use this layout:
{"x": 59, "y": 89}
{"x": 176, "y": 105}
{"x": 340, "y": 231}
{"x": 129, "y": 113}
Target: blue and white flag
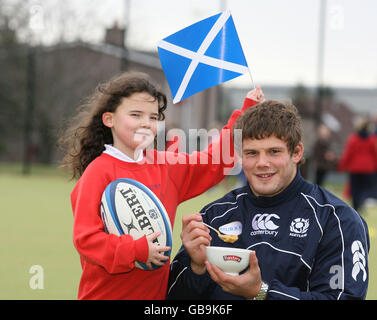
{"x": 201, "y": 56}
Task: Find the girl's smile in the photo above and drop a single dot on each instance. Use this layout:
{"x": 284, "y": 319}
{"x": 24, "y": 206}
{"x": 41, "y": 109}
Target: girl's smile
{"x": 134, "y": 123}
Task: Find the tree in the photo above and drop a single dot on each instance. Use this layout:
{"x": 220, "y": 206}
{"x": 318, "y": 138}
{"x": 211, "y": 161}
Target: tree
{"x": 29, "y": 85}
{"x": 302, "y": 99}
{"x": 12, "y": 64}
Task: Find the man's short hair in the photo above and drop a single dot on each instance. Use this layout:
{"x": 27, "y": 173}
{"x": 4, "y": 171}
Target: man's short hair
{"x": 271, "y": 118}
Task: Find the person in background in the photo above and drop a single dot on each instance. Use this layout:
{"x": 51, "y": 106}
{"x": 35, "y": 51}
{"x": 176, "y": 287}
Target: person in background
{"x": 359, "y": 159}
{"x": 324, "y": 158}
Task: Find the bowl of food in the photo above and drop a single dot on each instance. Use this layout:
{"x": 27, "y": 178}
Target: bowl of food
{"x": 230, "y": 260}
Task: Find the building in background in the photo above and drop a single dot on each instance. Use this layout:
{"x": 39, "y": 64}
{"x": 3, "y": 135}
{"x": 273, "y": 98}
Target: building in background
{"x": 66, "y": 73}
{"x": 339, "y": 110}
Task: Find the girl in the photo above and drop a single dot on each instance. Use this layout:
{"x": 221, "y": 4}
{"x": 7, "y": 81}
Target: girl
{"x": 105, "y": 142}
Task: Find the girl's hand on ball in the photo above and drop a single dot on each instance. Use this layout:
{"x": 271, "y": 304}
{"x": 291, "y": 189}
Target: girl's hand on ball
{"x": 156, "y": 251}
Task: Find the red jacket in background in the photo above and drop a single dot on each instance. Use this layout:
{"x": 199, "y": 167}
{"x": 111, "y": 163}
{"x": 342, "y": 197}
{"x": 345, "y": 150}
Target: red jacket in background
{"x": 359, "y": 155}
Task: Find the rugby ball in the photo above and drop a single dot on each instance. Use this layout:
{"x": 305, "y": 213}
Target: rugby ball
{"x": 129, "y": 207}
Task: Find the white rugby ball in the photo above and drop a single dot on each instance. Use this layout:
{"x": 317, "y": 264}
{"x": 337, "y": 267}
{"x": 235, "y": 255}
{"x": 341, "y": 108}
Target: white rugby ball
{"x": 129, "y": 207}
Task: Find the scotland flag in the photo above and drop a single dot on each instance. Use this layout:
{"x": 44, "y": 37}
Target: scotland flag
{"x": 201, "y": 56}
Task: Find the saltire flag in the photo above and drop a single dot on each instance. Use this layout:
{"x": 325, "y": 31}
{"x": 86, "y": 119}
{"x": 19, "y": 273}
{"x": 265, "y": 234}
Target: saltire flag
{"x": 201, "y": 56}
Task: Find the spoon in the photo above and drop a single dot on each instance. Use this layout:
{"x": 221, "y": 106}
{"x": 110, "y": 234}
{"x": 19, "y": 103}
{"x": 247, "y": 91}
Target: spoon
{"x": 225, "y": 237}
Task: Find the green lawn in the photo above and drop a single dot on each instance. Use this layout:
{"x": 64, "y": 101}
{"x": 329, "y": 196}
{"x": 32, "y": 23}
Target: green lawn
{"x": 36, "y": 230}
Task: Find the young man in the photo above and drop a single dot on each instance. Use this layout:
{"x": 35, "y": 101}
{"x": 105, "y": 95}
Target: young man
{"x": 306, "y": 243}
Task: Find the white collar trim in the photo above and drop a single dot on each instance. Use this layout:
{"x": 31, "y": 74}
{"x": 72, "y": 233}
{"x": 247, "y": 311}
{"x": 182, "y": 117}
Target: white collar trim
{"x": 116, "y": 153}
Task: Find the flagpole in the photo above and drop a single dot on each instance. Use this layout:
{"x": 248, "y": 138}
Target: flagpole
{"x": 251, "y": 77}
{"x": 223, "y": 7}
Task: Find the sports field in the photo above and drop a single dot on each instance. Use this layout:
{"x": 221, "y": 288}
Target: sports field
{"x": 38, "y": 260}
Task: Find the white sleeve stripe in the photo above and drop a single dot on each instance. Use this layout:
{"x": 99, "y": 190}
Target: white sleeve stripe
{"x": 340, "y": 231}
{"x": 281, "y": 250}
{"x": 171, "y": 287}
{"x": 341, "y": 234}
{"x": 365, "y": 232}
{"x": 221, "y": 203}
{"x": 284, "y": 294}
{"x": 315, "y": 214}
{"x": 224, "y": 213}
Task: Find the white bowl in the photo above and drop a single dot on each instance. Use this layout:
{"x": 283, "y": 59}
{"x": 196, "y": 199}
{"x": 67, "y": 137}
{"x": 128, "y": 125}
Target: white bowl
{"x": 230, "y": 260}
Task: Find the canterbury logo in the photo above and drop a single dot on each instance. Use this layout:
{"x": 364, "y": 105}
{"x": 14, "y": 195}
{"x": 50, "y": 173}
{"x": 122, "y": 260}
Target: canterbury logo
{"x": 358, "y": 260}
{"x": 264, "y": 222}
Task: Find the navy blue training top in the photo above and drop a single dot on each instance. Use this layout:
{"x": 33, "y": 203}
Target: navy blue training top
{"x": 309, "y": 245}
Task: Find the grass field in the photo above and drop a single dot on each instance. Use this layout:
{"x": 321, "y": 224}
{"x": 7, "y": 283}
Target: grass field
{"x": 36, "y": 230}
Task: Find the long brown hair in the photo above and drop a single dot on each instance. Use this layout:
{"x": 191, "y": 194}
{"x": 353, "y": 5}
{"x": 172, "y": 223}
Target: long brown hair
{"x": 86, "y": 135}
